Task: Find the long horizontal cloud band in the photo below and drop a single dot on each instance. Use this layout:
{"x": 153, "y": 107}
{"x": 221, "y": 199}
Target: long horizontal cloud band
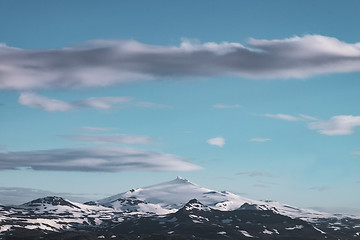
{"x": 104, "y": 63}
{"x": 95, "y": 159}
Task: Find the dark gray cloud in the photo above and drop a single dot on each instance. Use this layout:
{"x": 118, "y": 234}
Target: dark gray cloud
{"x": 102, "y": 63}
{"x": 95, "y": 159}
{"x": 112, "y": 138}
{"x": 19, "y": 195}
{"x": 34, "y": 100}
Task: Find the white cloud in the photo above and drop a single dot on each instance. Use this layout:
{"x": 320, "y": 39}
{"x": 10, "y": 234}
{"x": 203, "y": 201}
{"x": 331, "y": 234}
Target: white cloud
{"x": 355, "y": 153}
{"x": 320, "y": 188}
{"x": 34, "y": 100}
{"x": 51, "y": 105}
{"x": 102, "y": 102}
{"x": 307, "y": 117}
{"x": 95, "y": 159}
{"x": 113, "y": 138}
{"x": 259, "y": 139}
{"x": 101, "y": 63}
{"x": 19, "y": 195}
{"x": 287, "y": 117}
{"x": 224, "y": 106}
{"x": 94, "y": 129}
{"x": 337, "y": 125}
{"x": 339, "y": 210}
{"x": 256, "y": 174}
{"x": 151, "y": 105}
{"x": 282, "y": 116}
{"x": 218, "y": 141}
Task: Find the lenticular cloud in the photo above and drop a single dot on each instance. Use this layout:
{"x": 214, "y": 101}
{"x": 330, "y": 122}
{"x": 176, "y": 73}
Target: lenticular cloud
{"x": 103, "y": 63}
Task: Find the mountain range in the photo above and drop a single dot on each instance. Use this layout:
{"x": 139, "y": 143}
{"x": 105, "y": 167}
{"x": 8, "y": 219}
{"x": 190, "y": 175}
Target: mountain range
{"x": 178, "y": 209}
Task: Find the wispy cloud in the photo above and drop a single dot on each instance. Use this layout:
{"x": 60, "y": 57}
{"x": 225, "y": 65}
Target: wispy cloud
{"x": 255, "y": 174}
{"x": 338, "y": 210}
{"x": 225, "y": 106}
{"x": 94, "y": 129}
{"x": 151, "y": 105}
{"x": 218, "y": 141}
{"x": 320, "y": 188}
{"x": 34, "y": 100}
{"x": 282, "y": 117}
{"x": 355, "y": 153}
{"x": 259, "y": 185}
{"x": 307, "y": 117}
{"x": 95, "y": 159}
{"x": 259, "y": 139}
{"x": 17, "y": 195}
{"x": 51, "y": 105}
{"x": 101, "y": 102}
{"x": 287, "y": 117}
{"x": 337, "y": 125}
{"x": 112, "y": 138}
{"x": 3, "y": 148}
{"x": 101, "y": 63}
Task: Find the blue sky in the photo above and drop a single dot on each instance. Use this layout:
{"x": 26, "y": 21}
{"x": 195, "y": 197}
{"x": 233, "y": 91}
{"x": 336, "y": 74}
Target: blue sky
{"x": 256, "y": 97}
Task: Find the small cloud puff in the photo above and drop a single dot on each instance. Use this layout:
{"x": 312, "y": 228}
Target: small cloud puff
{"x": 218, "y": 141}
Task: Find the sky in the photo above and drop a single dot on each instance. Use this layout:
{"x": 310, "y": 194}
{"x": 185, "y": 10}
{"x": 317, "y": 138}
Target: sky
{"x": 260, "y": 98}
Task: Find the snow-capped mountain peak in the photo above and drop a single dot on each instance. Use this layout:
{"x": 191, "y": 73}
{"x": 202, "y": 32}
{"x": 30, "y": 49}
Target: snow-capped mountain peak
{"x": 174, "y": 207}
{"x": 50, "y": 200}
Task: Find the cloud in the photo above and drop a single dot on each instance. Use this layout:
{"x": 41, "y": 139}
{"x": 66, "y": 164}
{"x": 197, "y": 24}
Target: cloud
{"x": 101, "y": 63}
{"x": 259, "y": 139}
{"x": 19, "y": 195}
{"x": 307, "y": 117}
{"x": 34, "y": 100}
{"x": 320, "y": 188}
{"x": 95, "y": 159}
{"x": 113, "y": 138}
{"x": 259, "y": 185}
{"x": 255, "y": 174}
{"x": 151, "y": 105}
{"x": 282, "y": 116}
{"x": 288, "y": 117}
{"x": 337, "y": 125}
{"x": 338, "y": 210}
{"x": 2, "y": 147}
{"x": 51, "y": 105}
{"x": 355, "y": 153}
{"x": 224, "y": 106}
{"x": 94, "y": 129}
{"x": 218, "y": 141}
{"x": 101, "y": 102}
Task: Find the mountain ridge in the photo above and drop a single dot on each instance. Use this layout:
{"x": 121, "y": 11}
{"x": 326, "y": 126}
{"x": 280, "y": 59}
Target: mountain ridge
{"x": 171, "y": 210}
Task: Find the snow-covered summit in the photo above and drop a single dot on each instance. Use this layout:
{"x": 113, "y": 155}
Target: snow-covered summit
{"x": 170, "y": 196}
{"x": 49, "y": 200}
{"x": 175, "y": 194}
